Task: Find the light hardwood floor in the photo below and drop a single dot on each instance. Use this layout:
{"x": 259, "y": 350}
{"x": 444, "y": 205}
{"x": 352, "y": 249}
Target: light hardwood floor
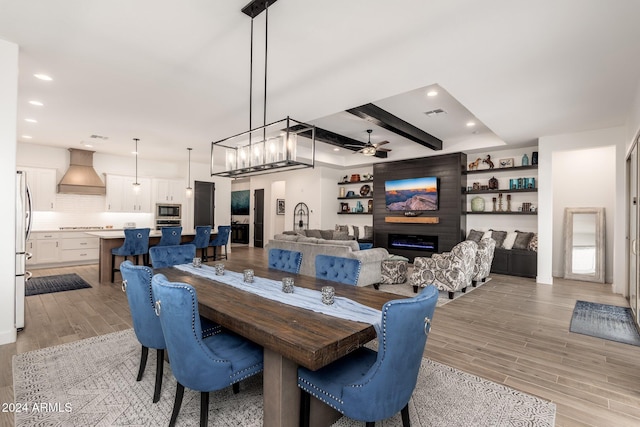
{"x": 510, "y": 330}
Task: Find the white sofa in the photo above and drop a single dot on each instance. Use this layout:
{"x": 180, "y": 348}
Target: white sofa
{"x": 370, "y": 259}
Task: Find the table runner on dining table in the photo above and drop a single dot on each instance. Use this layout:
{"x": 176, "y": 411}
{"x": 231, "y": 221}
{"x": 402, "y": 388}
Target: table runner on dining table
{"x": 309, "y": 299}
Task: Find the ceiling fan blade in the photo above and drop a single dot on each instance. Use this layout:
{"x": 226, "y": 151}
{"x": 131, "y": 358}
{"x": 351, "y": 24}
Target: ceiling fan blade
{"x": 381, "y": 143}
{"x": 383, "y": 149}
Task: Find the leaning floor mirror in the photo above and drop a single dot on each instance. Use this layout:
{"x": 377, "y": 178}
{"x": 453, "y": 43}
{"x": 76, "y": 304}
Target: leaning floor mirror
{"x": 584, "y": 232}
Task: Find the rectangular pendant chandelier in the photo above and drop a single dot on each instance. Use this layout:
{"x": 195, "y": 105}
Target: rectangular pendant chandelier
{"x": 275, "y": 147}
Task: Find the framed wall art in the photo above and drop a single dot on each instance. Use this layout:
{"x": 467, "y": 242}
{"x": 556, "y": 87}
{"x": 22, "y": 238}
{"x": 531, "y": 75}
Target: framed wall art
{"x": 279, "y": 206}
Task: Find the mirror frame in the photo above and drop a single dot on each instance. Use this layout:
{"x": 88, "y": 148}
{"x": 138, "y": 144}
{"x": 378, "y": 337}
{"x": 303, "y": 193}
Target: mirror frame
{"x": 600, "y": 244}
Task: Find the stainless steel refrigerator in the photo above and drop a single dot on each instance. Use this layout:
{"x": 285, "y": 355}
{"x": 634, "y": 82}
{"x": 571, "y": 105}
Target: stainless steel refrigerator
{"x": 23, "y": 228}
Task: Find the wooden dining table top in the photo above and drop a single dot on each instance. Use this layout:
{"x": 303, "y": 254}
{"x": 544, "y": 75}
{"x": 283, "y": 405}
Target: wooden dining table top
{"x": 305, "y": 337}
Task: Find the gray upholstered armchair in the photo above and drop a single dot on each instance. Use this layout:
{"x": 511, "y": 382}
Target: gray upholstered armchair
{"x": 449, "y": 271}
{"x": 484, "y": 258}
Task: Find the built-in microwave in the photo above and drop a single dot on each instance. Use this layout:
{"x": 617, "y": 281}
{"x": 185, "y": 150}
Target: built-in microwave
{"x": 167, "y": 211}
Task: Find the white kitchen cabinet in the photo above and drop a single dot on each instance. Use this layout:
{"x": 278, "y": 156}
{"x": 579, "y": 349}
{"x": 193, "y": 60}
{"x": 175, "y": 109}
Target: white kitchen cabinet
{"x": 47, "y": 248}
{"x": 62, "y": 248}
{"x": 122, "y": 198}
{"x": 170, "y": 191}
{"x": 42, "y": 183}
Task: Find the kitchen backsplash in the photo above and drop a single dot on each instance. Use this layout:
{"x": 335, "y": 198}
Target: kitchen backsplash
{"x": 73, "y": 210}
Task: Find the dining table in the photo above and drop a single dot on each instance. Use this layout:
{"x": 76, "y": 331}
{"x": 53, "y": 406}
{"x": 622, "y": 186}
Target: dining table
{"x": 291, "y": 336}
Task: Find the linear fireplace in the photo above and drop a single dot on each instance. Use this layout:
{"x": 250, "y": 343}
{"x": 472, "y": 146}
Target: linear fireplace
{"x": 413, "y": 242}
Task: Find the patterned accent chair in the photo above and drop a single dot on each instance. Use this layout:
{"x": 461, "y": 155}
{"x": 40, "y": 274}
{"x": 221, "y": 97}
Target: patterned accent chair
{"x": 203, "y": 365}
{"x": 449, "y": 271}
{"x": 166, "y": 256}
{"x": 484, "y": 258}
{"x": 370, "y": 386}
{"x": 285, "y": 260}
{"x": 338, "y": 269}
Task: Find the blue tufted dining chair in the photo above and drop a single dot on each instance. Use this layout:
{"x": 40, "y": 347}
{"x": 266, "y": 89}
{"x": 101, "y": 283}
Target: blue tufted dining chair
{"x": 338, "y": 269}
{"x": 221, "y": 239}
{"x": 201, "y": 239}
{"x": 136, "y": 243}
{"x": 285, "y": 260}
{"x": 136, "y": 283}
{"x": 171, "y": 236}
{"x": 371, "y": 386}
{"x": 202, "y": 365}
{"x": 166, "y": 256}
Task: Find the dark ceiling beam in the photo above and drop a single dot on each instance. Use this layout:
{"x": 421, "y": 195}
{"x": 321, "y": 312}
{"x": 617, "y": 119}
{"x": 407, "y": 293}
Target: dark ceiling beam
{"x": 256, "y": 7}
{"x": 386, "y": 120}
{"x": 337, "y": 140}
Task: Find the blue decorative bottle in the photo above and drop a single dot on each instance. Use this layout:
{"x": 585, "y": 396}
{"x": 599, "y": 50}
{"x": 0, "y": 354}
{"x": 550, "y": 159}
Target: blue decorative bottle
{"x": 525, "y": 160}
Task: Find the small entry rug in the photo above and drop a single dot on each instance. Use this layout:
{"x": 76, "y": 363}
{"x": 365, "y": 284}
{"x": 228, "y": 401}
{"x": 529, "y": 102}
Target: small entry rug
{"x": 57, "y": 283}
{"x": 604, "y": 321}
{"x": 92, "y": 382}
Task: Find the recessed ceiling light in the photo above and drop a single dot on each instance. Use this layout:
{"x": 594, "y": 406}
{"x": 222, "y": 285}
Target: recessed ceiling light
{"x": 336, "y": 149}
{"x": 471, "y": 124}
{"x": 31, "y": 120}
{"x": 27, "y": 136}
{"x": 43, "y": 77}
{"x": 432, "y": 93}
{"x": 36, "y": 103}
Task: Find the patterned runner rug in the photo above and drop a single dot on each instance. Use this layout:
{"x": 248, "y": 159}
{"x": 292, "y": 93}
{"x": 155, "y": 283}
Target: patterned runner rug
{"x": 92, "y": 382}
{"x": 57, "y": 283}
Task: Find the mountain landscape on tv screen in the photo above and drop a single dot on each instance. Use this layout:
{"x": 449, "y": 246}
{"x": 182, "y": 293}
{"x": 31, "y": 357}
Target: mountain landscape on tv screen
{"x": 411, "y": 200}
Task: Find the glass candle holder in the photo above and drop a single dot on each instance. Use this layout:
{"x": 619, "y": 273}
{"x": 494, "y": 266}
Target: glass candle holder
{"x": 248, "y": 275}
{"x": 328, "y": 294}
{"x": 197, "y": 262}
{"x": 219, "y": 269}
{"x": 287, "y": 285}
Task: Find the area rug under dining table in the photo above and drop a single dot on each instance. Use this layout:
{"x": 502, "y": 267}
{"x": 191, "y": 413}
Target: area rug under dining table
{"x": 92, "y": 383}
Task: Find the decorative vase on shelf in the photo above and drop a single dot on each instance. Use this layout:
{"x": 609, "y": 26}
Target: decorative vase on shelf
{"x": 477, "y": 204}
{"x": 343, "y": 191}
{"x": 525, "y": 160}
{"x": 359, "y": 207}
{"x": 534, "y": 158}
{"x": 493, "y": 183}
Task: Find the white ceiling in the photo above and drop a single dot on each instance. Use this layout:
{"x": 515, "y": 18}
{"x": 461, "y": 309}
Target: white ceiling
{"x": 176, "y": 74}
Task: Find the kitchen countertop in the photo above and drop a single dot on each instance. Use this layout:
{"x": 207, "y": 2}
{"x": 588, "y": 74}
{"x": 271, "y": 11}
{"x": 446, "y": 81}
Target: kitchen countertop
{"x": 119, "y": 234}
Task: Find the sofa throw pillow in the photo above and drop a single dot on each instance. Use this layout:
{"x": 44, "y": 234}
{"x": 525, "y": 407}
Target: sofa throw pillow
{"x": 523, "y": 240}
{"x": 509, "y": 240}
{"x": 344, "y": 228}
{"x": 356, "y": 232}
{"x": 475, "y": 235}
{"x": 340, "y": 235}
{"x": 487, "y": 234}
{"x": 326, "y": 234}
{"x": 499, "y": 237}
{"x": 368, "y": 232}
{"x": 533, "y": 244}
{"x": 313, "y": 233}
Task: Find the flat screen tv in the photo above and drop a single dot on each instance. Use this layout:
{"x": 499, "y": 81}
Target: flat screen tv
{"x": 412, "y": 194}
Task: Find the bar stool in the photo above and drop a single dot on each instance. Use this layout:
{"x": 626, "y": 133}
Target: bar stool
{"x": 136, "y": 243}
{"x": 170, "y": 236}
{"x": 221, "y": 240}
{"x": 201, "y": 239}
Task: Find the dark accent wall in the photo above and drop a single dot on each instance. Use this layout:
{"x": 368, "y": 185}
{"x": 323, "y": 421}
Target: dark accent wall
{"x": 451, "y": 229}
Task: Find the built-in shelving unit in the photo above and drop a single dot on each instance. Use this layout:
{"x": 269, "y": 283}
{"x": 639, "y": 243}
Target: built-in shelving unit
{"x": 357, "y": 196}
{"x": 512, "y": 170}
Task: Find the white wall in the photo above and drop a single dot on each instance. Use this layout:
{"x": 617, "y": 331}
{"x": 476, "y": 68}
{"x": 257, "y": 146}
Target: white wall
{"x": 81, "y": 210}
{"x": 590, "y": 170}
{"x": 8, "y": 116}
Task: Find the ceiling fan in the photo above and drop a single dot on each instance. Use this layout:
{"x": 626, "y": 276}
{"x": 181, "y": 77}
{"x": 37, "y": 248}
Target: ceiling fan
{"x": 370, "y": 149}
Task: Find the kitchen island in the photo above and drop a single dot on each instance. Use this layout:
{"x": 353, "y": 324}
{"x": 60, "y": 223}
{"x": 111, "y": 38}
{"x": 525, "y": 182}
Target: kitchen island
{"x": 110, "y": 239}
